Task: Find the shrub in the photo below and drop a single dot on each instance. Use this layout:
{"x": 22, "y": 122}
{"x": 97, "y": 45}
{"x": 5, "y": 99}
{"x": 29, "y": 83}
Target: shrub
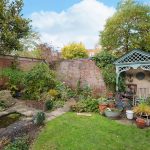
{"x": 64, "y": 91}
{"x": 58, "y": 104}
{"x": 104, "y": 58}
{"x": 83, "y": 92}
{"x": 38, "y": 80}
{"x": 20, "y": 143}
{"x": 102, "y": 100}
{"x": 49, "y": 104}
{"x": 87, "y": 105}
{"x": 39, "y": 118}
{"x": 15, "y": 77}
{"x": 45, "y": 96}
{"x": 53, "y": 93}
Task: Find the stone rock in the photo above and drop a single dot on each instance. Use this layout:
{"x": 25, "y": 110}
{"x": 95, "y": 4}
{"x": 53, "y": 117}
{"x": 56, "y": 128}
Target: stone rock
{"x": 14, "y": 130}
{"x": 7, "y": 98}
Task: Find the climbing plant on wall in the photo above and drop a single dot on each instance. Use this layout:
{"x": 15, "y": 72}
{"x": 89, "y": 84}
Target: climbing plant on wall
{"x": 104, "y": 60}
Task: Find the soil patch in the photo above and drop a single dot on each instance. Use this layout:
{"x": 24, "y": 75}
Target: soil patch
{"x": 35, "y": 104}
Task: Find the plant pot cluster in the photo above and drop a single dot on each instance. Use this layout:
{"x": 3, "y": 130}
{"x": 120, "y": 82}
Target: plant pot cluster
{"x": 108, "y": 108}
{"x": 103, "y": 106}
{"x": 142, "y": 112}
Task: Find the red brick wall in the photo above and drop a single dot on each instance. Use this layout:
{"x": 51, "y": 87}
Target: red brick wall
{"x": 24, "y": 63}
{"x": 68, "y": 71}
{"x": 71, "y": 71}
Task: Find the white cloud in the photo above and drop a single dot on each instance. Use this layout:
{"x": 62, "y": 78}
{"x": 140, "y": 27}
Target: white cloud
{"x": 79, "y": 23}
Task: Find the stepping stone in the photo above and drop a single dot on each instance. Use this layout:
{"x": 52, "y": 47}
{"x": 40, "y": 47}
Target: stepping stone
{"x": 84, "y": 114}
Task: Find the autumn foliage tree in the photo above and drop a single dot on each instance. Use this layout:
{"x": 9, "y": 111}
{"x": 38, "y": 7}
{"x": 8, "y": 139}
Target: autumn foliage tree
{"x": 74, "y": 51}
{"x": 13, "y": 27}
{"x": 128, "y": 28}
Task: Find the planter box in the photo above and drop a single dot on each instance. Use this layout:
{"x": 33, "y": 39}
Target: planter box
{"x": 112, "y": 114}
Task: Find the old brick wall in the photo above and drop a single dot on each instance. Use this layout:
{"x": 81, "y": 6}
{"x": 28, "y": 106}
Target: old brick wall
{"x": 25, "y": 63}
{"x": 85, "y": 71}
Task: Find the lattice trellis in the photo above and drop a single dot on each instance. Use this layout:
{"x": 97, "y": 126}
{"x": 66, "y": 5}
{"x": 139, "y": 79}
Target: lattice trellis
{"x": 122, "y": 69}
{"x": 133, "y": 57}
{"x": 146, "y": 67}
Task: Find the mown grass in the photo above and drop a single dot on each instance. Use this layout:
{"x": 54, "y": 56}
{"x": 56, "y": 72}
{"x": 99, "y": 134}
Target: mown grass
{"x": 72, "y": 132}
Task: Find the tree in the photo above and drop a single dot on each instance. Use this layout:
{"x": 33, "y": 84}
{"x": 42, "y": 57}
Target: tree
{"x": 128, "y": 28}
{"x": 13, "y": 27}
{"x": 74, "y": 51}
{"x": 31, "y": 41}
{"x": 45, "y": 52}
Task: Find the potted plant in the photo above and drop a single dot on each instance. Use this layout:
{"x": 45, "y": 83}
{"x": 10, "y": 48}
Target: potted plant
{"x": 110, "y": 95}
{"x": 140, "y": 122}
{"x": 142, "y": 112}
{"x": 111, "y": 103}
{"x": 103, "y": 104}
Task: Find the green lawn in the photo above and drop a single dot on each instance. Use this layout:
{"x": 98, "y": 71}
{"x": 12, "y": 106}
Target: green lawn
{"x": 72, "y": 132}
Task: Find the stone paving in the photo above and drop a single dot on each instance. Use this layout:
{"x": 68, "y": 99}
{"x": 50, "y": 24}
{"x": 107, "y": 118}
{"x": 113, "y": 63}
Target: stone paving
{"x": 21, "y": 108}
{"x": 59, "y": 111}
{"x": 126, "y": 122}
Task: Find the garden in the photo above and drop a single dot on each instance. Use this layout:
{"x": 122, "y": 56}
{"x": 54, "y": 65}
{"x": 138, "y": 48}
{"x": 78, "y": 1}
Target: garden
{"x": 25, "y": 96}
{"x": 40, "y": 112}
{"x": 41, "y": 92}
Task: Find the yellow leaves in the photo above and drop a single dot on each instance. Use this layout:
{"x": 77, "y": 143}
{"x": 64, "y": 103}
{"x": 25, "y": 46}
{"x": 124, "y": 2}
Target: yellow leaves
{"x": 142, "y": 109}
{"x": 74, "y": 51}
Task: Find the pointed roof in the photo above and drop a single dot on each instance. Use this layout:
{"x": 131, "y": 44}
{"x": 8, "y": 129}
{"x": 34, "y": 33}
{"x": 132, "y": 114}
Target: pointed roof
{"x": 135, "y": 56}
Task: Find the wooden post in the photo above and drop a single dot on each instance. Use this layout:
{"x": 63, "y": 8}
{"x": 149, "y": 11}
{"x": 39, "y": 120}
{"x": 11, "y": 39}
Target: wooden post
{"x": 117, "y": 78}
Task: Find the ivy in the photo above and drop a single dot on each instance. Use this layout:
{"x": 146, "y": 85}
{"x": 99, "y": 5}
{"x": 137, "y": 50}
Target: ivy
{"x": 104, "y": 60}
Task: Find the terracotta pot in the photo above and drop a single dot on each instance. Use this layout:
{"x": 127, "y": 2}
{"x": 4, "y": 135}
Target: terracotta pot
{"x": 110, "y": 94}
{"x": 102, "y": 107}
{"x": 111, "y": 105}
{"x": 140, "y": 122}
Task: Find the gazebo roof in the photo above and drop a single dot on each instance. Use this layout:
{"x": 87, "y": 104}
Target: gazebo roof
{"x": 134, "y": 57}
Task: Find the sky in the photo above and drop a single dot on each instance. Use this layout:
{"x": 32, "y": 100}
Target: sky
{"x": 60, "y": 22}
